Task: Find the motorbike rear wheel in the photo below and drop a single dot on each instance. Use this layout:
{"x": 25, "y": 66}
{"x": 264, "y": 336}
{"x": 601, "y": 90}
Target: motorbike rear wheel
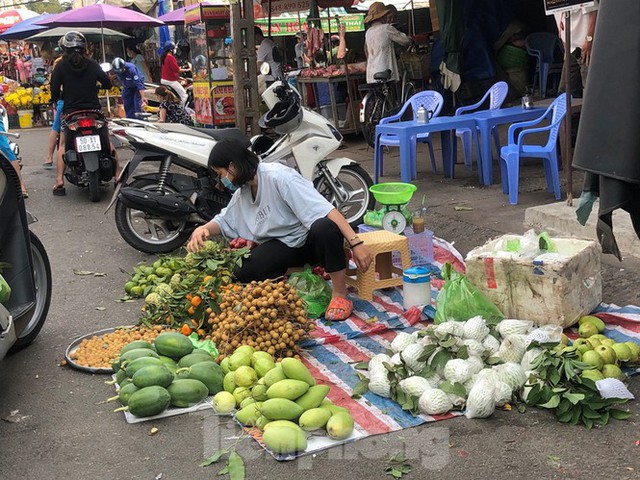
{"x": 94, "y": 186}
{"x": 353, "y": 181}
{"x": 147, "y": 233}
{"x": 43, "y": 284}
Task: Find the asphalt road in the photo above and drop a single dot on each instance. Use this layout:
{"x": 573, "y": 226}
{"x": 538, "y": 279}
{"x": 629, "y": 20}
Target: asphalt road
{"x": 67, "y": 431}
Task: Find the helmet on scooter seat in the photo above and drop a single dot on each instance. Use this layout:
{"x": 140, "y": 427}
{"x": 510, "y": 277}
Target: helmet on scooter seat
{"x": 285, "y": 116}
{"x": 118, "y": 64}
{"x": 200, "y": 61}
{"x": 73, "y": 40}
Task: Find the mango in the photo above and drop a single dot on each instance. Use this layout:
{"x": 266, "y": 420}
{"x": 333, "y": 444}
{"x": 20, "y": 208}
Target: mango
{"x": 263, "y": 365}
{"x": 224, "y": 364}
{"x": 340, "y": 425}
{"x": 289, "y": 389}
{"x": 285, "y": 440}
{"x": 249, "y": 415}
{"x": 280, "y": 423}
{"x": 238, "y": 360}
{"x": 259, "y": 356}
{"x": 295, "y": 369}
{"x": 245, "y": 350}
{"x": 598, "y": 323}
{"x": 241, "y": 393}
{"x": 274, "y": 375}
{"x": 314, "y": 397}
{"x": 334, "y": 408}
{"x": 229, "y": 383}
{"x": 314, "y": 419}
{"x": 245, "y": 376}
{"x": 259, "y": 392}
{"x": 247, "y": 401}
{"x": 224, "y": 402}
{"x": 262, "y": 422}
{"x": 281, "y": 409}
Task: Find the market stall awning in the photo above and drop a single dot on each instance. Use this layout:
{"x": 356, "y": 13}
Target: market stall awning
{"x": 24, "y": 29}
{"x": 92, "y": 33}
{"x": 12, "y": 17}
{"x": 290, "y": 24}
{"x": 399, "y": 4}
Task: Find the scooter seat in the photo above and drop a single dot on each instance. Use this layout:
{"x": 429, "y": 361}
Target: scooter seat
{"x": 382, "y": 76}
{"x": 228, "y": 134}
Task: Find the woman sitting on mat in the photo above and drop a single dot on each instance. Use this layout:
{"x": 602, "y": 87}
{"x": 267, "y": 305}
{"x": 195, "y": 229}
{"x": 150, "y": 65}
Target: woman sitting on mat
{"x": 281, "y": 211}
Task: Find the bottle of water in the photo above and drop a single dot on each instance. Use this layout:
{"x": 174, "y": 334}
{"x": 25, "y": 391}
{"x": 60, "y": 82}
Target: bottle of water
{"x": 421, "y": 115}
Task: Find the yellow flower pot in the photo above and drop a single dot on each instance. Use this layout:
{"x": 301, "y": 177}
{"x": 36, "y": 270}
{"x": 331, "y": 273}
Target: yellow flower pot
{"x": 25, "y": 118}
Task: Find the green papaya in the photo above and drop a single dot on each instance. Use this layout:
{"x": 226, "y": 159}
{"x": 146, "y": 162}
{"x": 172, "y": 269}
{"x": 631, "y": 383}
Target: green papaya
{"x": 152, "y": 375}
{"x": 186, "y": 392}
{"x": 207, "y": 372}
{"x": 147, "y": 401}
{"x": 173, "y": 344}
{"x": 135, "y": 365}
{"x": 135, "y": 344}
{"x": 194, "y": 357}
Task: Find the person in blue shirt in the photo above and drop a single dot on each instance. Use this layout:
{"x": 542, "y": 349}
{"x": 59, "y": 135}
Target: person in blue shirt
{"x": 132, "y": 86}
{"x": 5, "y": 150}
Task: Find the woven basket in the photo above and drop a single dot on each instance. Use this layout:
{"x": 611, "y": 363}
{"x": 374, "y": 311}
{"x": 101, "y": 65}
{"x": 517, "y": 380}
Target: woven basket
{"x": 416, "y": 65}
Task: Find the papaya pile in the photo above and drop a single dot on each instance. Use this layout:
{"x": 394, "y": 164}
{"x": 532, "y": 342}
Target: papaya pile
{"x": 152, "y": 376}
{"x": 281, "y": 399}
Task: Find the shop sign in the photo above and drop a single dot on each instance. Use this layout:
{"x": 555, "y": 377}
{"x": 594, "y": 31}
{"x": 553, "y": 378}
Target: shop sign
{"x": 279, "y": 7}
{"x": 557, "y": 6}
{"x": 202, "y": 103}
{"x": 290, "y": 26}
{"x": 210, "y": 12}
{"x": 224, "y": 106}
{"x": 192, "y": 16}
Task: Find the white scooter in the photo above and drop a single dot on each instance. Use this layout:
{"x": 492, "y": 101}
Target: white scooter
{"x": 157, "y": 211}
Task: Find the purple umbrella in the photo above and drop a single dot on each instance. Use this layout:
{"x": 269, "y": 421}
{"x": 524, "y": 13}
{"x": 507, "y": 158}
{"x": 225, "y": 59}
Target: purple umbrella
{"x": 176, "y": 17}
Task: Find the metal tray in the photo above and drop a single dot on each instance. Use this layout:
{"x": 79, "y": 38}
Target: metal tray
{"x": 76, "y": 343}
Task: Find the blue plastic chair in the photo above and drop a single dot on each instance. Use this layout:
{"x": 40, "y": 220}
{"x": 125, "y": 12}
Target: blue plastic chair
{"x": 543, "y": 46}
{"x": 497, "y": 94}
{"x": 429, "y": 99}
{"x": 510, "y": 155}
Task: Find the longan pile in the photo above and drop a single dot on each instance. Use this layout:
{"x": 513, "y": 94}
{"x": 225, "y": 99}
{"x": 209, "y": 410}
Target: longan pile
{"x": 99, "y": 352}
{"x": 268, "y": 316}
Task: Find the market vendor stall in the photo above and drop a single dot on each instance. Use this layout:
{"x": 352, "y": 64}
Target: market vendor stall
{"x": 208, "y": 33}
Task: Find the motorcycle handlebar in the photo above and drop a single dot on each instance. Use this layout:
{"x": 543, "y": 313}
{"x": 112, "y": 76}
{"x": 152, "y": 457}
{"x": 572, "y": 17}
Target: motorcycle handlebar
{"x": 10, "y": 134}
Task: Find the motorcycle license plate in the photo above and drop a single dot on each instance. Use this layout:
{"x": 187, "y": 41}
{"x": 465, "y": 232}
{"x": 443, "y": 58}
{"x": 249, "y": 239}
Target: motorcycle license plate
{"x": 89, "y": 143}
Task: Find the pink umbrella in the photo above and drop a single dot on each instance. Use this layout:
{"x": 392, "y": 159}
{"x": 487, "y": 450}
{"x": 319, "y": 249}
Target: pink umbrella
{"x": 9, "y": 18}
{"x": 176, "y": 17}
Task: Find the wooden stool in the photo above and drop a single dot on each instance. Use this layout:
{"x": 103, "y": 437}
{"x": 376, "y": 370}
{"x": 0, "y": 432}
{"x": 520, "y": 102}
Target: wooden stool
{"x": 382, "y": 244}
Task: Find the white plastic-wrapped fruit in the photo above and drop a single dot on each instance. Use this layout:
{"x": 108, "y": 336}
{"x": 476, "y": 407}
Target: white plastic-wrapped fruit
{"x": 414, "y": 386}
{"x": 512, "y": 348}
{"x": 410, "y": 357}
{"x": 530, "y": 357}
{"x": 434, "y": 402}
{"x": 476, "y": 329}
{"x": 491, "y": 344}
{"x": 474, "y": 347}
{"x": 377, "y": 361}
{"x": 475, "y": 364}
{"x": 434, "y": 380}
{"x": 457, "y": 370}
{"x": 401, "y": 341}
{"x": 379, "y": 384}
{"x": 512, "y": 374}
{"x": 481, "y": 402}
{"x": 396, "y": 359}
{"x": 449, "y": 328}
{"x": 489, "y": 374}
{"x": 514, "y": 327}
{"x": 502, "y": 393}
{"x": 468, "y": 385}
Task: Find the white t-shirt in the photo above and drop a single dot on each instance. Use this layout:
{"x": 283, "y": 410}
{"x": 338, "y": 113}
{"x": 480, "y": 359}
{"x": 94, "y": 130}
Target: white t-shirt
{"x": 579, "y": 25}
{"x": 285, "y": 207}
{"x": 265, "y": 54}
{"x": 381, "y": 56}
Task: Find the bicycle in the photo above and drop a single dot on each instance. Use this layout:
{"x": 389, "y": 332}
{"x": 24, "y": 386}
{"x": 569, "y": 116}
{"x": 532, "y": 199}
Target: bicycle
{"x": 381, "y": 101}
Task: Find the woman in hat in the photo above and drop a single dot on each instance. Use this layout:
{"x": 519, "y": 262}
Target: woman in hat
{"x": 379, "y": 40}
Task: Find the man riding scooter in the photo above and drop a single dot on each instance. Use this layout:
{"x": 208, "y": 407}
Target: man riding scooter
{"x": 132, "y": 86}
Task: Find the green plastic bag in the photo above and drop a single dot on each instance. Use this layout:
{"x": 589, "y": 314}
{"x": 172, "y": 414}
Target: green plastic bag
{"x": 313, "y": 290}
{"x": 460, "y": 300}
{"x": 5, "y": 290}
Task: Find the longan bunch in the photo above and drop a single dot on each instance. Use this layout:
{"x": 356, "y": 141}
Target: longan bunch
{"x": 99, "y": 352}
{"x": 268, "y": 316}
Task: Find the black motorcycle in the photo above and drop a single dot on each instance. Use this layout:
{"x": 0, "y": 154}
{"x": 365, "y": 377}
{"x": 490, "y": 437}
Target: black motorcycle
{"x": 24, "y": 265}
{"x": 88, "y": 157}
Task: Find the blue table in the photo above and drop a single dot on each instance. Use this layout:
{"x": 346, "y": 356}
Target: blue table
{"x": 407, "y": 132}
{"x": 486, "y": 120}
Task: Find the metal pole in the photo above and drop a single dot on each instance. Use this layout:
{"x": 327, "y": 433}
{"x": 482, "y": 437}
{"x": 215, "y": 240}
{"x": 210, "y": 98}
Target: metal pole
{"x": 567, "y": 151}
{"x": 269, "y": 21}
{"x": 104, "y": 60}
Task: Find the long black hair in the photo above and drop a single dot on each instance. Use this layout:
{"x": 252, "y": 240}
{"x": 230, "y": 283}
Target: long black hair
{"x": 76, "y": 56}
{"x": 245, "y": 162}
{"x": 166, "y": 52}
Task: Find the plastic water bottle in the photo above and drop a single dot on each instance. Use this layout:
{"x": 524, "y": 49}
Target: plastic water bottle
{"x": 421, "y": 115}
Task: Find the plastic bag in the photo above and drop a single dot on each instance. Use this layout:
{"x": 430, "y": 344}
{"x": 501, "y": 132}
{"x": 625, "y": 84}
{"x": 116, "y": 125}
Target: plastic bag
{"x": 460, "y": 300}
{"x": 5, "y": 290}
{"x": 313, "y": 290}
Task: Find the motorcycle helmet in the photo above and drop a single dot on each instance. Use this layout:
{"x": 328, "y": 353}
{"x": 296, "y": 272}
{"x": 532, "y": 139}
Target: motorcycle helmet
{"x": 284, "y": 117}
{"x": 200, "y": 61}
{"x": 183, "y": 48}
{"x": 168, "y": 45}
{"x": 73, "y": 40}
{"x": 118, "y": 64}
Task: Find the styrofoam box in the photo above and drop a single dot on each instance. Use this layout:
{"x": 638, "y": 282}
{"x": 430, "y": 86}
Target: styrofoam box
{"x": 550, "y": 289}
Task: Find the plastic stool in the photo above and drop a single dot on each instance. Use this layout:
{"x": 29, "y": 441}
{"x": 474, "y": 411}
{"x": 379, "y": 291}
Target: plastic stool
{"x": 382, "y": 244}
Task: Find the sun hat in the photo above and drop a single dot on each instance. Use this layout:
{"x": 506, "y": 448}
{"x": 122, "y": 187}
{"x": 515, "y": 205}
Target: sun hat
{"x": 377, "y": 10}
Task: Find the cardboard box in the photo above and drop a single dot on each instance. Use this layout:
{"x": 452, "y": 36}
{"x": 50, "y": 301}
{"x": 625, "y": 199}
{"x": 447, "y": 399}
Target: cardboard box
{"x": 548, "y": 289}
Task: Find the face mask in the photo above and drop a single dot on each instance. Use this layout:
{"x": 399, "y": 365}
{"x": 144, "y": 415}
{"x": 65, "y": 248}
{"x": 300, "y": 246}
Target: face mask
{"x": 229, "y": 184}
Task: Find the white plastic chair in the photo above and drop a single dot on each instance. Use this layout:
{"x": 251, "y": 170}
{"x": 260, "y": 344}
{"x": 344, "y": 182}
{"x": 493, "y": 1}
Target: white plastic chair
{"x": 497, "y": 94}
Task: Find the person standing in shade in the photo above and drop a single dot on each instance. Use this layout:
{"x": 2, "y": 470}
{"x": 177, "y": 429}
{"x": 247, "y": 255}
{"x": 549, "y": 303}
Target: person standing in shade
{"x": 268, "y": 52}
{"x": 132, "y": 86}
{"x": 138, "y": 60}
{"x": 301, "y": 37}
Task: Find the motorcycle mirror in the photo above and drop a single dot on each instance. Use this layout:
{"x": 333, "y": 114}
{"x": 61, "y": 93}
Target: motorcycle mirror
{"x": 106, "y": 67}
{"x": 265, "y": 68}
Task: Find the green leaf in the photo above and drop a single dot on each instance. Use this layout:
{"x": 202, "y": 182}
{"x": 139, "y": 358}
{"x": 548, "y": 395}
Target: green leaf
{"x": 224, "y": 471}
{"x": 214, "y": 458}
{"x": 236, "y": 467}
{"x": 361, "y": 366}
{"x": 463, "y": 352}
{"x": 553, "y": 403}
{"x": 620, "y": 414}
{"x": 440, "y": 359}
{"x": 426, "y": 353}
{"x": 576, "y": 414}
{"x": 360, "y": 389}
{"x": 449, "y": 342}
{"x": 554, "y": 377}
{"x": 573, "y": 397}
